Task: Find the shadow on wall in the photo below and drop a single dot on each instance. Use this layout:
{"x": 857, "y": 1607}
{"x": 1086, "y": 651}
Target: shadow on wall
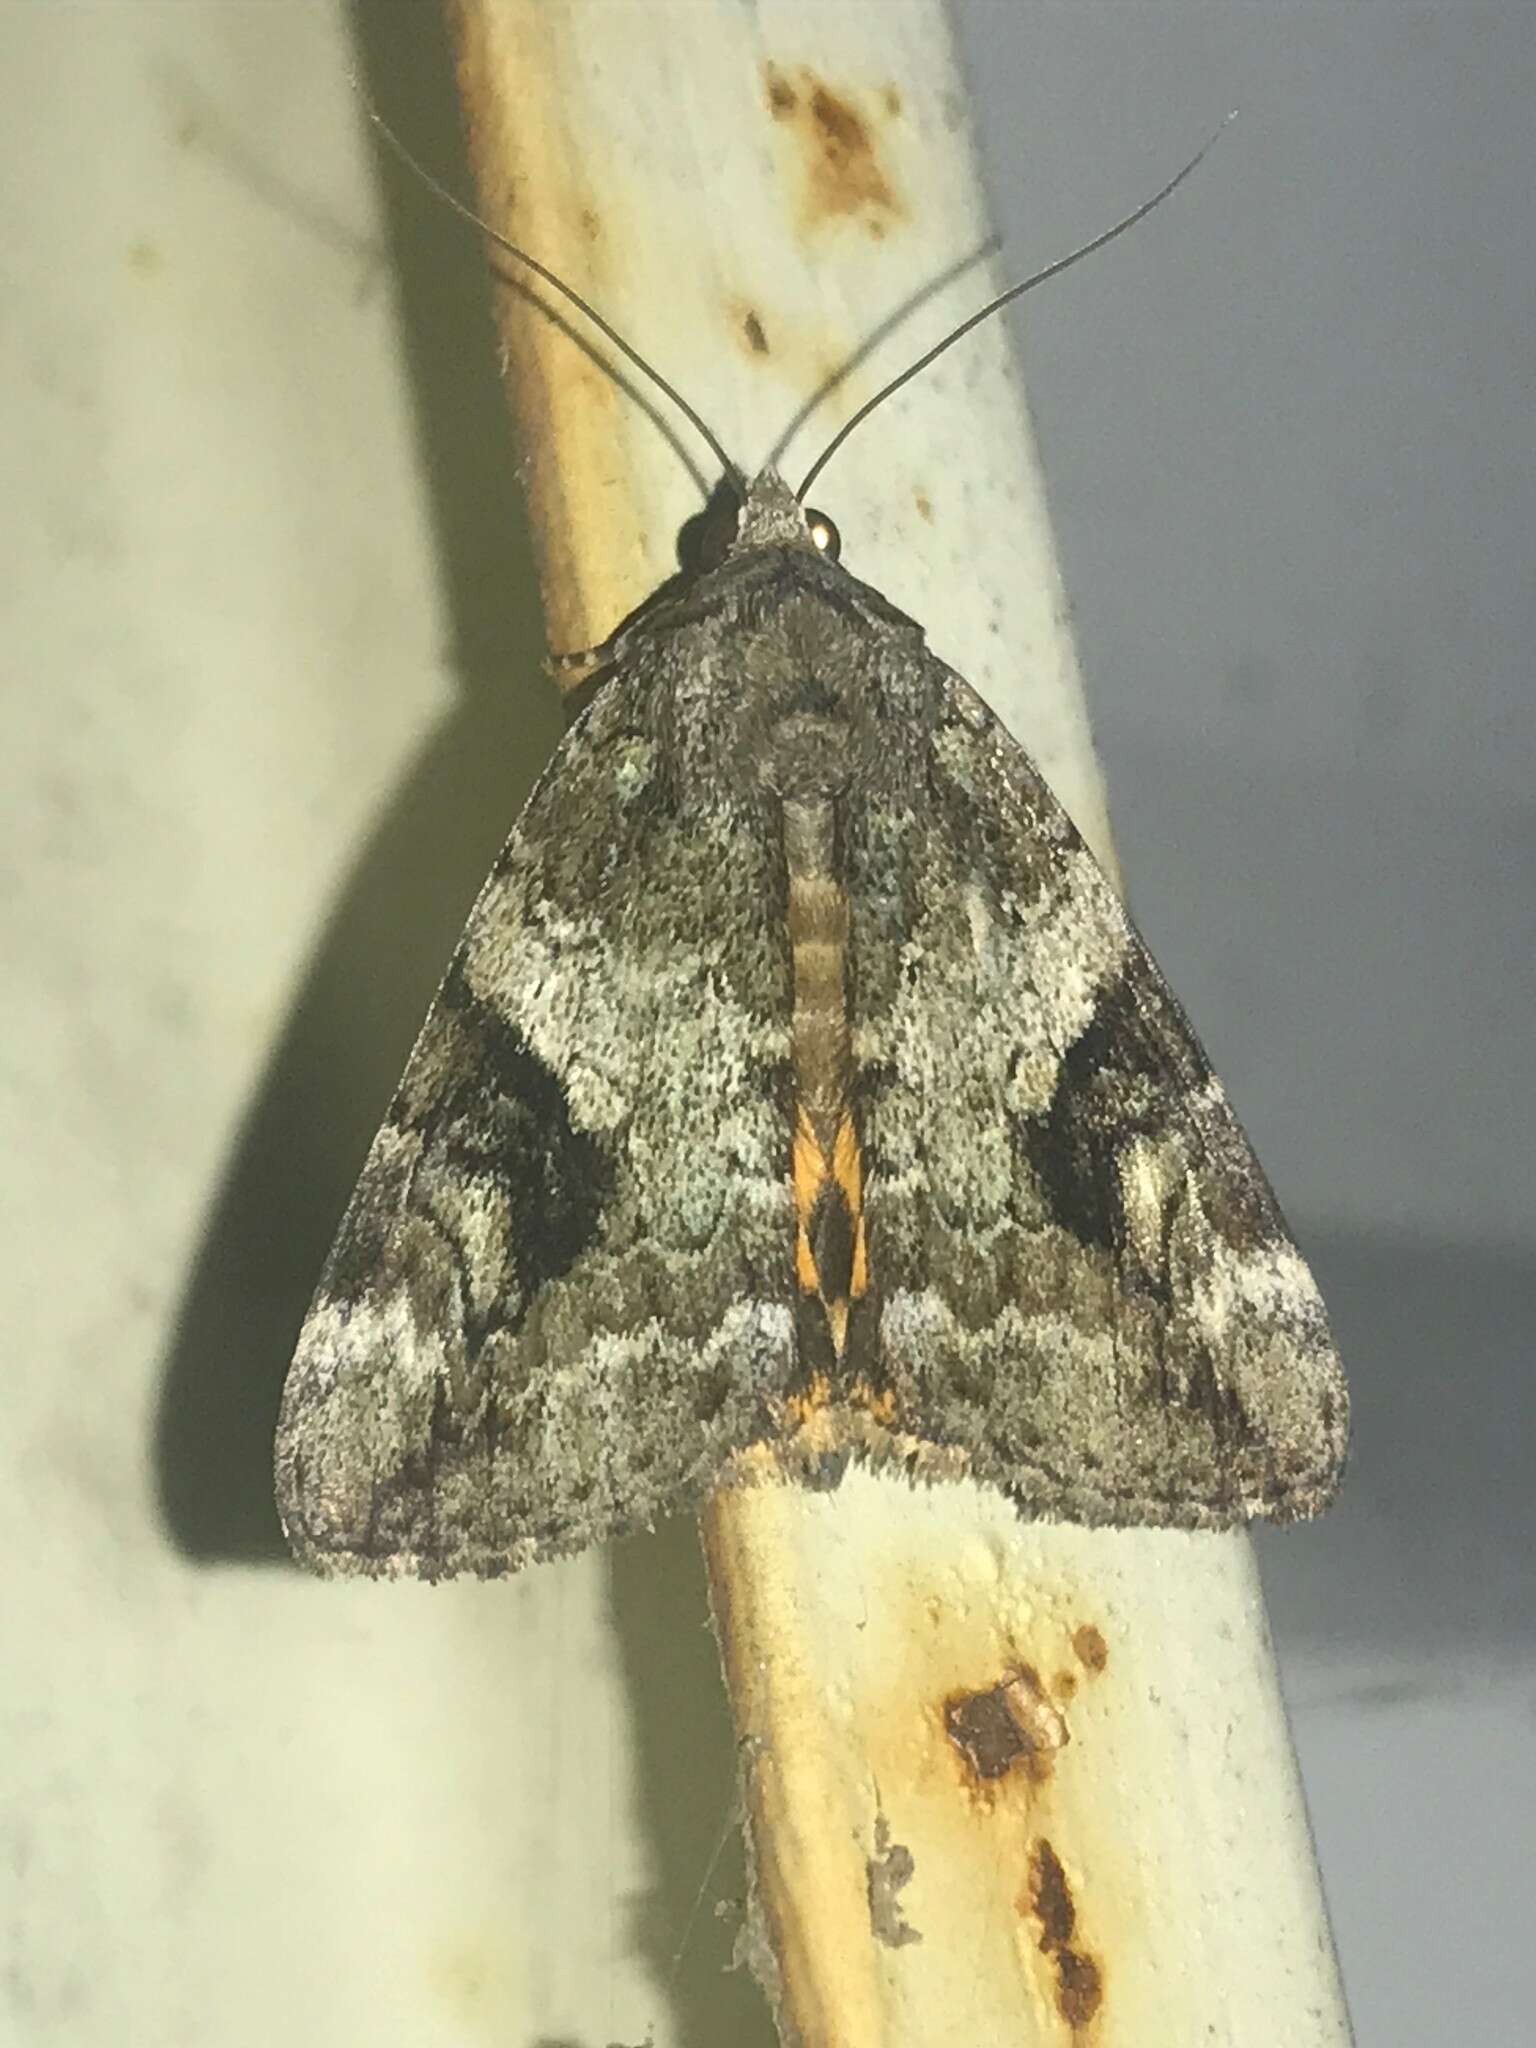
{"x": 391, "y": 932}
{"x": 352, "y": 1022}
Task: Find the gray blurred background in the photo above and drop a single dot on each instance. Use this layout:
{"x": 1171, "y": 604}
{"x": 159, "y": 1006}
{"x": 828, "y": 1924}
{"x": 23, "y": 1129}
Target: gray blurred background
{"x": 1287, "y": 433}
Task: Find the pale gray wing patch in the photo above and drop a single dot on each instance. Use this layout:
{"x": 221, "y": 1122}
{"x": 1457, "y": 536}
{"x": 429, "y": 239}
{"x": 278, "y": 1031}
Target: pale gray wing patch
{"x": 1084, "y": 1280}
{"x": 559, "y": 1298}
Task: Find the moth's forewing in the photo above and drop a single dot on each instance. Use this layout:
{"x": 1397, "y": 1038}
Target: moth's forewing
{"x": 618, "y": 1226}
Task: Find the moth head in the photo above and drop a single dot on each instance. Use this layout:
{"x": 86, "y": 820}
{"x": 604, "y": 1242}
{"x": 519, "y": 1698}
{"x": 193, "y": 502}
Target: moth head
{"x": 771, "y": 516}
{"x": 704, "y": 541}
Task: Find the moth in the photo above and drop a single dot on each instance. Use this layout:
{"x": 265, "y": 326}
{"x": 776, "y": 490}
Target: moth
{"x": 799, "y": 1092}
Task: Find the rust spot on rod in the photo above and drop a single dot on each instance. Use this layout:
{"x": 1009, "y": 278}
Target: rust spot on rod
{"x": 1010, "y": 1726}
{"x": 1049, "y": 1901}
{"x": 838, "y": 144}
{"x": 1092, "y": 1650}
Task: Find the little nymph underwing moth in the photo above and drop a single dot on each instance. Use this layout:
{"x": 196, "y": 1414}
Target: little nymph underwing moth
{"x": 799, "y": 1092}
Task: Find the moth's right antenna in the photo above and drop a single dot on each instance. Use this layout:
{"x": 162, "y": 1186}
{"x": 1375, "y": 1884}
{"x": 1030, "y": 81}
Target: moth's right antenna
{"x": 1014, "y": 291}
{"x": 568, "y": 292}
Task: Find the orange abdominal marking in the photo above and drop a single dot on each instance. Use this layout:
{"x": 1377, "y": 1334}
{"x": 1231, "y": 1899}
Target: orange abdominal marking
{"x": 808, "y": 1171}
{"x": 848, "y": 1172}
{"x": 803, "y": 1407}
{"x": 826, "y": 1163}
{"x": 831, "y": 1258}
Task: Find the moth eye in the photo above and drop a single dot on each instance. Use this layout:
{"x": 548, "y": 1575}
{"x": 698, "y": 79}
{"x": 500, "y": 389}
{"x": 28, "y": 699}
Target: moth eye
{"x": 825, "y": 537}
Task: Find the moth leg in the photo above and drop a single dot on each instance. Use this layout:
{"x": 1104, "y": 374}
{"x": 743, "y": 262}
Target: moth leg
{"x": 571, "y": 669}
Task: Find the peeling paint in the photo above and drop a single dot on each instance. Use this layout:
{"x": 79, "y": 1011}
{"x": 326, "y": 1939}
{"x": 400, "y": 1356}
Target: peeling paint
{"x": 886, "y": 1872}
{"x": 1012, "y": 1725}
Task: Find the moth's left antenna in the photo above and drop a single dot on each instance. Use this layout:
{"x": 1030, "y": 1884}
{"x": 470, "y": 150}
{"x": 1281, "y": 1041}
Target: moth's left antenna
{"x": 1014, "y": 291}
{"x": 568, "y": 292}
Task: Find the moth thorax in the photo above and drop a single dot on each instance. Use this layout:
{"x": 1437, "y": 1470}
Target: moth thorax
{"x": 807, "y": 754}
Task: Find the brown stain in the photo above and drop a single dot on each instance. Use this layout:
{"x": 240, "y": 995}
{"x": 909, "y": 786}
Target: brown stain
{"x": 1010, "y": 1726}
{"x": 1064, "y": 1685}
{"x": 844, "y": 177}
{"x": 1092, "y": 1650}
{"x": 924, "y": 505}
{"x": 752, "y": 328}
{"x": 782, "y": 97}
{"x": 1049, "y": 1902}
{"x": 591, "y": 224}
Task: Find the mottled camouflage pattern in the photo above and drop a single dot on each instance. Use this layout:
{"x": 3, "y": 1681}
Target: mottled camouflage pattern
{"x": 564, "y": 1296}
